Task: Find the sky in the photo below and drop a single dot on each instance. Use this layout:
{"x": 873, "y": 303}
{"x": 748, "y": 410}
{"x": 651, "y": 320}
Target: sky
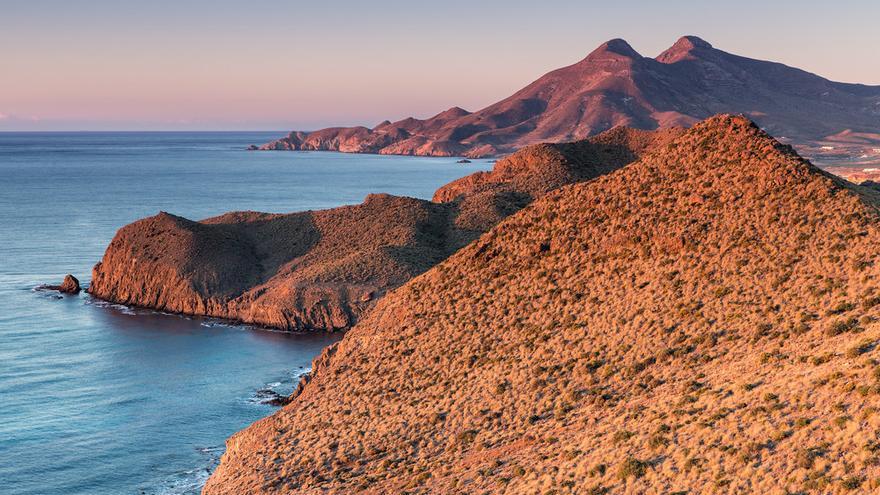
{"x": 279, "y": 65}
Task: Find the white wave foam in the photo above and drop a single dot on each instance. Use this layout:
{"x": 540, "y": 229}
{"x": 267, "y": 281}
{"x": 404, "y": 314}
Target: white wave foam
{"x": 190, "y": 481}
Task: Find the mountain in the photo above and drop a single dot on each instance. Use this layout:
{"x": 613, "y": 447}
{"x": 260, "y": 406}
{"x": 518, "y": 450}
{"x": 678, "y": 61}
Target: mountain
{"x": 703, "y": 320}
{"x": 615, "y": 86}
{"x": 321, "y": 270}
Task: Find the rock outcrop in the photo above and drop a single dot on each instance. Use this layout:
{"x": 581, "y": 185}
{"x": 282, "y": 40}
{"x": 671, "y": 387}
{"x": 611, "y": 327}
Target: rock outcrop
{"x": 322, "y": 270}
{"x": 70, "y": 285}
{"x": 703, "y": 320}
{"x": 616, "y": 86}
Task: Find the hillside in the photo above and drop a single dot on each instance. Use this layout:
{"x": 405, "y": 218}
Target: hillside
{"x": 299, "y": 271}
{"x": 616, "y": 86}
{"x": 321, "y": 270}
{"x": 540, "y": 168}
{"x": 700, "y": 321}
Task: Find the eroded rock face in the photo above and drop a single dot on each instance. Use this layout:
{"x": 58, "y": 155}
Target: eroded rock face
{"x": 616, "y": 86}
{"x": 696, "y": 321}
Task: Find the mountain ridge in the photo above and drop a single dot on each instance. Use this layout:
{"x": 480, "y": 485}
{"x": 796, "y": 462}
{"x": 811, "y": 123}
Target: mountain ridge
{"x": 612, "y": 86}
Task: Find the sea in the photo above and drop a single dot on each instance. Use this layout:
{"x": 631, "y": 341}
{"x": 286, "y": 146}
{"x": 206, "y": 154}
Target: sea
{"x": 98, "y": 398}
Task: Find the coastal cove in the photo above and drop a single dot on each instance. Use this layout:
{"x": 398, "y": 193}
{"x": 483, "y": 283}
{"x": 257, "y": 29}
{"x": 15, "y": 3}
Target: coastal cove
{"x": 104, "y": 399}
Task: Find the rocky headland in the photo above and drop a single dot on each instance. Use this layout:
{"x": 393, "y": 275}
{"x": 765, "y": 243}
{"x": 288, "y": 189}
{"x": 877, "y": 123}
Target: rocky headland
{"x": 321, "y": 270}
{"x": 299, "y": 271}
{"x": 702, "y": 320}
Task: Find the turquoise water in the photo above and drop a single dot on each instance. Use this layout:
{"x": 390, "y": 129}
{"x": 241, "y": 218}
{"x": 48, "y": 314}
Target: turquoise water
{"x": 103, "y": 399}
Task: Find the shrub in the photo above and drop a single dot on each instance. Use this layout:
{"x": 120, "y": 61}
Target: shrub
{"x": 467, "y": 436}
{"x": 631, "y": 468}
{"x": 862, "y": 347}
{"x": 851, "y": 482}
{"x": 805, "y": 457}
{"x": 598, "y": 470}
{"x": 841, "y": 308}
{"x": 842, "y": 326}
{"x": 658, "y": 441}
{"x": 622, "y": 436}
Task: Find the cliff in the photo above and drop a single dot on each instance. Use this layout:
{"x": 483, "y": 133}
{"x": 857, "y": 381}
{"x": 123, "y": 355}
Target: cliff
{"x": 616, "y": 86}
{"x": 703, "y": 320}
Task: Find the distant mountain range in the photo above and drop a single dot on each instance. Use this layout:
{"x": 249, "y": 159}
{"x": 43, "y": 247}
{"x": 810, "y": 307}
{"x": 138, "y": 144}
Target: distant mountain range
{"x": 615, "y": 85}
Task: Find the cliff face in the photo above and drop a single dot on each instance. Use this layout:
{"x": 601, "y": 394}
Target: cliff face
{"x": 616, "y": 86}
{"x": 702, "y": 320}
{"x": 322, "y": 270}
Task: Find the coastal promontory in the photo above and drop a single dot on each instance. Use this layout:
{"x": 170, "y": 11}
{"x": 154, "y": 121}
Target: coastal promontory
{"x": 321, "y": 270}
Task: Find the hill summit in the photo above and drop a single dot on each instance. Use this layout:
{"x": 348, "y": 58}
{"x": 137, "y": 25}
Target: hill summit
{"x": 701, "y": 320}
{"x": 616, "y": 86}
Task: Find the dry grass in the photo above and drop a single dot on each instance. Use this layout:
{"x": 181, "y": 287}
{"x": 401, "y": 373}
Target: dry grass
{"x": 617, "y": 326}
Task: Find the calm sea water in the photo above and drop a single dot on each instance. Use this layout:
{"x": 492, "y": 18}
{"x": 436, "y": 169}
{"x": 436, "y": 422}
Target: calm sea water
{"x": 101, "y": 399}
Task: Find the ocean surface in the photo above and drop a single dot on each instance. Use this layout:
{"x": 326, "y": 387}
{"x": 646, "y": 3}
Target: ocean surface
{"x": 103, "y": 399}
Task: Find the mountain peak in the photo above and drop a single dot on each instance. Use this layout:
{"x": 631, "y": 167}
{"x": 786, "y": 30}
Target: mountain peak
{"x": 617, "y": 47}
{"x": 691, "y": 42}
{"x": 452, "y": 113}
{"x": 684, "y": 49}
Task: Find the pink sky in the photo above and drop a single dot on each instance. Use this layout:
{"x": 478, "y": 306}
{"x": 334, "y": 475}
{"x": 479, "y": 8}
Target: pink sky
{"x": 281, "y": 65}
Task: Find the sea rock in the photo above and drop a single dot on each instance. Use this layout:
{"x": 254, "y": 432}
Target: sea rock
{"x": 464, "y": 160}
{"x": 70, "y": 285}
{"x": 271, "y": 398}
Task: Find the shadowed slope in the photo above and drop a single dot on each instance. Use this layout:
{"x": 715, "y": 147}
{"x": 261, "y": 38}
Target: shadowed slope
{"x": 702, "y": 320}
{"x": 614, "y": 86}
{"x": 537, "y": 169}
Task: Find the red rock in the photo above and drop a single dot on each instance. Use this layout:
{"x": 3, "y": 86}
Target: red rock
{"x": 70, "y": 285}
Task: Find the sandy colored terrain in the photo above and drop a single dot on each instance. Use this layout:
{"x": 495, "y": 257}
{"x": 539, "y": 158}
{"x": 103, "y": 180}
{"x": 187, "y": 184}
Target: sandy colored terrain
{"x": 703, "y": 320}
